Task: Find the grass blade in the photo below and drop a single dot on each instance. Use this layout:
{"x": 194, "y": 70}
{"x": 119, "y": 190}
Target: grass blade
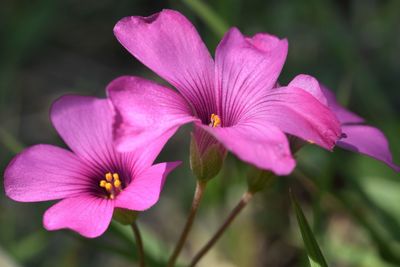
{"x": 314, "y": 253}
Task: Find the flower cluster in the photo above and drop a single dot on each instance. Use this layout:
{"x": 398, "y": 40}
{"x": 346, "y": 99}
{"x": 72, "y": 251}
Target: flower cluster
{"x": 233, "y": 100}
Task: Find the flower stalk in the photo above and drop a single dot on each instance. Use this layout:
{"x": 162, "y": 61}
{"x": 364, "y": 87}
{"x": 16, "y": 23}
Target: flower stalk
{"x": 139, "y": 244}
{"x": 234, "y": 213}
{"x": 198, "y": 195}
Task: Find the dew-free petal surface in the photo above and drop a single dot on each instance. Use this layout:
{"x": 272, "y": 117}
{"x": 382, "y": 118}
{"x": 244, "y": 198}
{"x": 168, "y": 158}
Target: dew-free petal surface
{"x": 85, "y": 125}
{"x": 85, "y": 214}
{"x": 144, "y": 191}
{"x": 168, "y": 43}
{"x": 246, "y": 68}
{"x": 309, "y": 84}
{"x": 264, "y": 146}
{"x": 45, "y": 172}
{"x": 298, "y": 113}
{"x": 145, "y": 111}
{"x": 369, "y": 141}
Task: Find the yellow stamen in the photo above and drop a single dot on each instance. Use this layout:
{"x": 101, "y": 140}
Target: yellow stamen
{"x": 103, "y": 183}
{"x": 215, "y": 121}
{"x": 108, "y": 186}
{"x": 108, "y": 176}
{"x": 112, "y": 184}
{"x": 117, "y": 183}
{"x": 311, "y": 142}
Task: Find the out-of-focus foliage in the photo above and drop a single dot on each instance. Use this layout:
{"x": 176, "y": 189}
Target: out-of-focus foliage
{"x": 49, "y": 48}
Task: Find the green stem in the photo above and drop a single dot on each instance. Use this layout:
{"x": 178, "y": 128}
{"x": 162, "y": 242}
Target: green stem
{"x": 139, "y": 244}
{"x": 198, "y": 195}
{"x": 234, "y": 213}
{"x": 209, "y": 16}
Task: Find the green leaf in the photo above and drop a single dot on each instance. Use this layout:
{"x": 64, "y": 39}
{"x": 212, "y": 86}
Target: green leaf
{"x": 314, "y": 253}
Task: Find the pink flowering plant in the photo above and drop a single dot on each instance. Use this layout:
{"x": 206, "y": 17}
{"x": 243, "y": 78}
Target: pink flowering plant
{"x": 93, "y": 180}
{"x": 234, "y": 103}
{"x": 233, "y": 98}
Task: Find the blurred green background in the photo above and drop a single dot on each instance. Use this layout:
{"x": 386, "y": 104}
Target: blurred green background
{"x": 49, "y": 48}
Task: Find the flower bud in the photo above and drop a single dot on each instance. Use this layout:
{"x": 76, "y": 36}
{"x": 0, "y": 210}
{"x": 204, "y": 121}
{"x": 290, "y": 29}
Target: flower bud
{"x": 206, "y": 155}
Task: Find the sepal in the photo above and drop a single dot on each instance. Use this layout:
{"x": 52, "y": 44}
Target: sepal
{"x": 125, "y": 216}
{"x": 207, "y": 164}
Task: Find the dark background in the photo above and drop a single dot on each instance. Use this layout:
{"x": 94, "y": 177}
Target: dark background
{"x": 49, "y": 48}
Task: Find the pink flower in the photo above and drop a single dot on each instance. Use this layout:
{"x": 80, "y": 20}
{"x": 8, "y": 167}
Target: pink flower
{"x": 231, "y": 98}
{"x": 356, "y": 136}
{"x": 359, "y": 137}
{"x": 93, "y": 178}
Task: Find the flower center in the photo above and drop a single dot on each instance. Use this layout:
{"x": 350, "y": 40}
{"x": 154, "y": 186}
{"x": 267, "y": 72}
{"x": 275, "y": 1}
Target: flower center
{"x": 112, "y": 184}
{"x": 215, "y": 121}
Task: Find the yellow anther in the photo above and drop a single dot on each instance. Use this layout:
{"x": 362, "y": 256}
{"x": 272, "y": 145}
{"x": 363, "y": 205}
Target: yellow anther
{"x": 112, "y": 184}
{"x": 215, "y": 121}
{"x": 108, "y": 186}
{"x": 103, "y": 183}
{"x": 311, "y": 142}
{"x": 117, "y": 183}
{"x": 108, "y": 176}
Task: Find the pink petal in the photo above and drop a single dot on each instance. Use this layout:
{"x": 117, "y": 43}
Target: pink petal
{"x": 45, "y": 172}
{"x": 169, "y": 44}
{"x": 246, "y": 69}
{"x": 369, "y": 141}
{"x": 298, "y": 113}
{"x": 87, "y": 215}
{"x": 257, "y": 143}
{"x": 146, "y": 111}
{"x": 309, "y": 84}
{"x": 85, "y": 125}
{"x": 144, "y": 191}
{"x": 344, "y": 115}
{"x": 363, "y": 139}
